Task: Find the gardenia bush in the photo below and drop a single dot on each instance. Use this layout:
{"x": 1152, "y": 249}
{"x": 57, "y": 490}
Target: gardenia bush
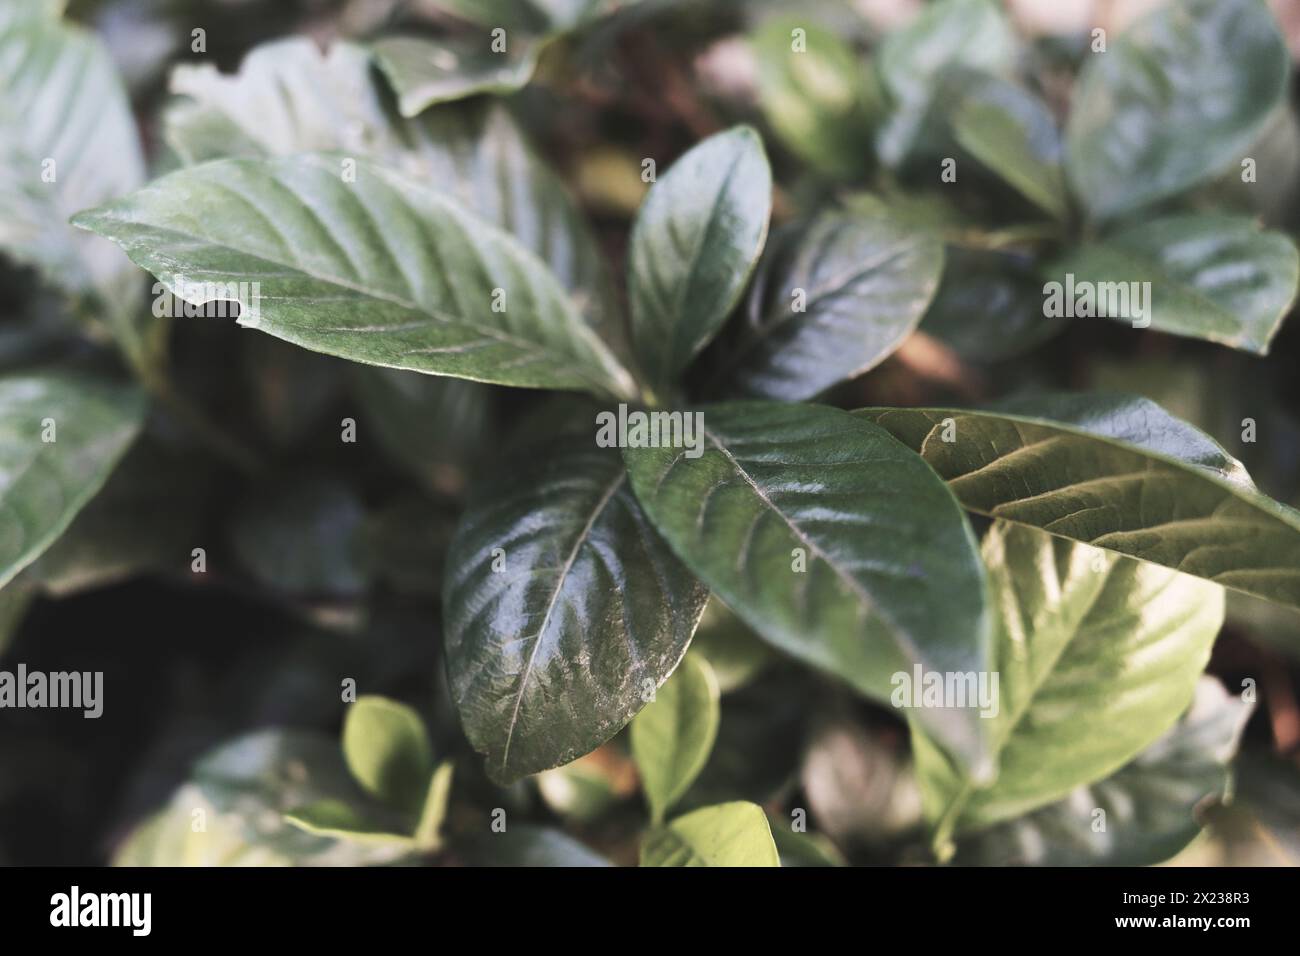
{"x": 866, "y": 485}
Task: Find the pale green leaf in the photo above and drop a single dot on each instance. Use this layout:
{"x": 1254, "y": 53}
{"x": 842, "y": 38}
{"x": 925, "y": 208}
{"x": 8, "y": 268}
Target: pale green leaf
{"x": 1097, "y": 656}
{"x": 672, "y": 737}
{"x": 729, "y": 834}
{"x": 388, "y": 752}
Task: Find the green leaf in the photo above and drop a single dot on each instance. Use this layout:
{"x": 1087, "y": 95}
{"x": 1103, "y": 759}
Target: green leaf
{"x": 831, "y": 303}
{"x": 288, "y": 98}
{"x": 1097, "y": 656}
{"x": 61, "y": 434}
{"x": 819, "y": 99}
{"x": 240, "y": 793}
{"x": 338, "y": 820}
{"x": 428, "y": 830}
{"x": 729, "y": 834}
{"x": 989, "y": 306}
{"x": 418, "y": 292}
{"x": 68, "y": 141}
{"x": 672, "y": 737}
{"x": 1116, "y": 472}
{"x": 61, "y": 100}
{"x": 425, "y": 72}
{"x": 563, "y": 609}
{"x": 1211, "y": 276}
{"x": 694, "y": 244}
{"x": 1152, "y": 805}
{"x": 945, "y": 38}
{"x": 832, "y": 541}
{"x": 388, "y": 752}
{"x": 1175, "y": 100}
{"x": 1013, "y": 133}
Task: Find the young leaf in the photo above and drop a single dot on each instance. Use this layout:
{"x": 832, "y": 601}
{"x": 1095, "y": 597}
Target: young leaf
{"x": 1117, "y": 472}
{"x": 61, "y": 434}
{"x": 832, "y": 302}
{"x": 388, "y": 752}
{"x": 1212, "y": 276}
{"x": 1176, "y": 99}
{"x": 302, "y": 249}
{"x": 424, "y": 72}
{"x": 832, "y": 541}
{"x": 428, "y": 830}
{"x": 1150, "y": 808}
{"x": 288, "y": 97}
{"x": 671, "y": 738}
{"x": 694, "y": 244}
{"x": 339, "y": 820}
{"x": 818, "y": 97}
{"x": 1013, "y": 133}
{"x": 945, "y": 37}
{"x": 729, "y": 834}
{"x": 1097, "y": 654}
{"x": 563, "y": 609}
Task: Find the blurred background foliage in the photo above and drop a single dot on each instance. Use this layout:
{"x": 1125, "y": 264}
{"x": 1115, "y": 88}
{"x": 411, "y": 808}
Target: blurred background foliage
{"x": 323, "y": 556}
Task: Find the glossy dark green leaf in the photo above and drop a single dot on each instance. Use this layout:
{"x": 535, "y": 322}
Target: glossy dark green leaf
{"x": 729, "y": 834}
{"x": 1117, "y": 472}
{"x": 239, "y": 794}
{"x": 61, "y": 434}
{"x": 695, "y": 242}
{"x": 1097, "y": 656}
{"x": 1212, "y": 276}
{"x": 388, "y": 752}
{"x": 832, "y": 541}
{"x": 989, "y": 306}
{"x": 818, "y": 96}
{"x": 563, "y": 608}
{"x": 1013, "y": 133}
{"x": 434, "y": 289}
{"x": 832, "y": 302}
{"x": 1150, "y": 809}
{"x": 288, "y": 98}
{"x": 944, "y": 37}
{"x": 672, "y": 737}
{"x": 1171, "y": 102}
